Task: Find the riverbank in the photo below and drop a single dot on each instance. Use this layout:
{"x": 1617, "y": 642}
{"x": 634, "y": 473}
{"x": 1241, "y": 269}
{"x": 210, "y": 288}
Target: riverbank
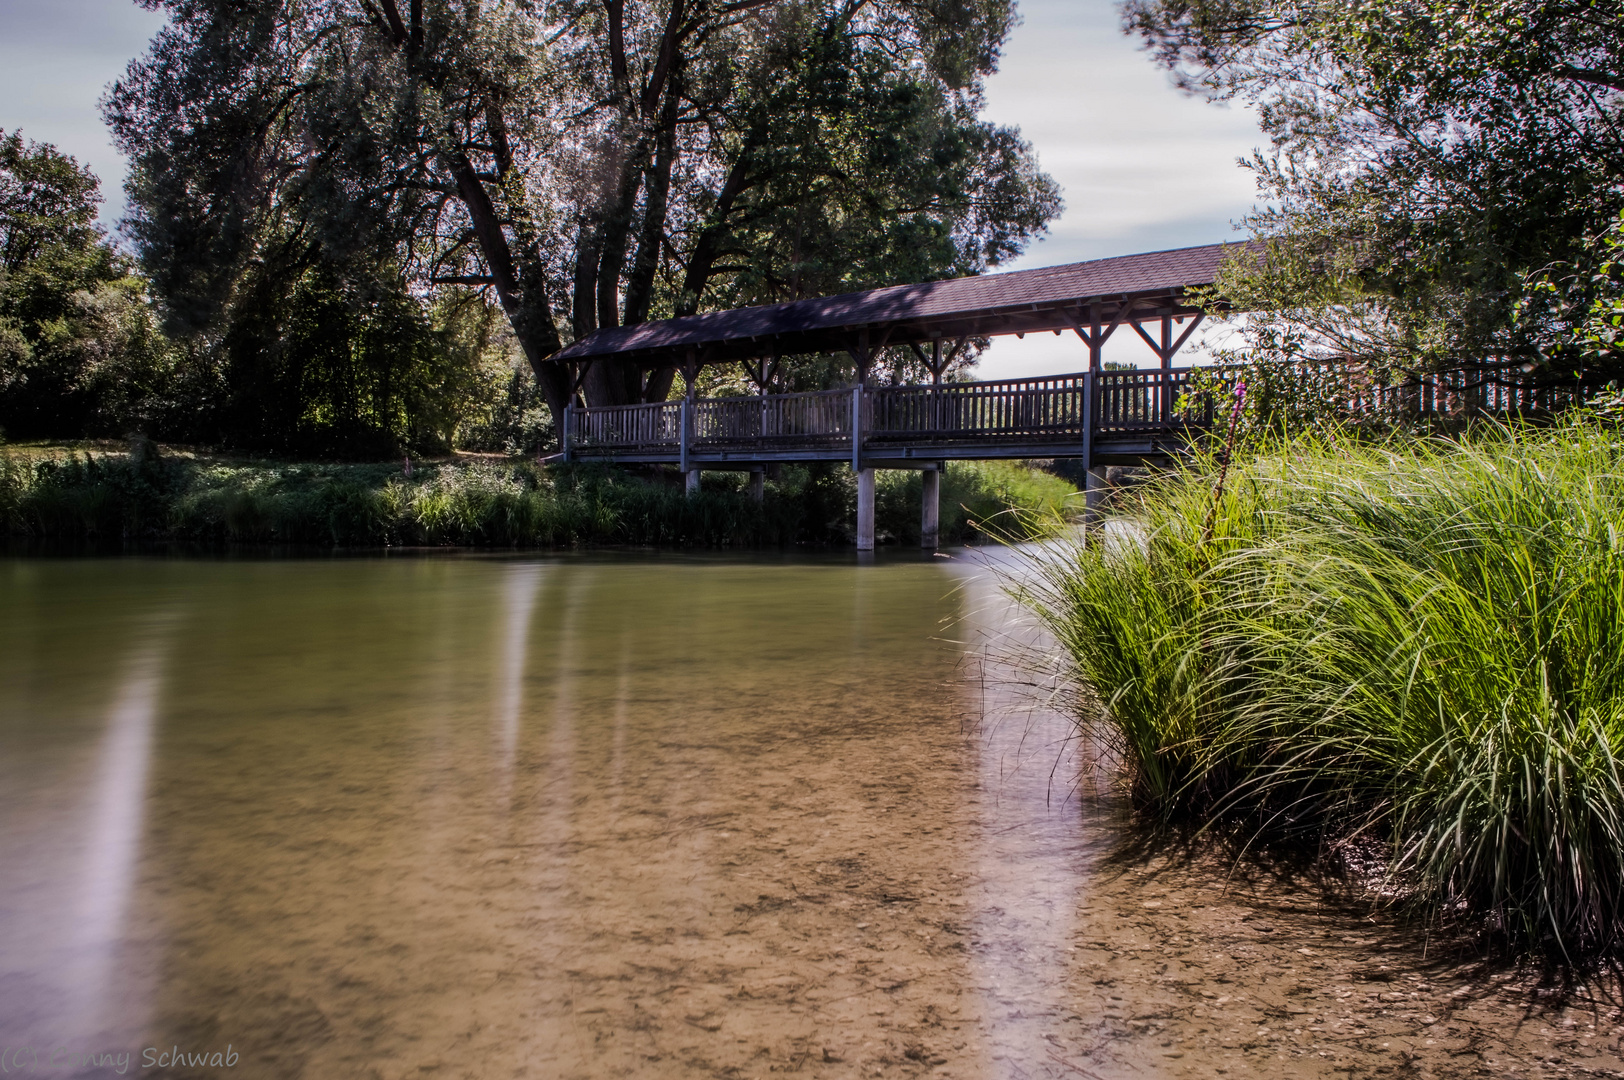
{"x": 1406, "y": 656}
{"x": 110, "y": 493}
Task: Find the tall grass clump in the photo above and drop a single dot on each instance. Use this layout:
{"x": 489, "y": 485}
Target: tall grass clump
{"x": 1418, "y": 644}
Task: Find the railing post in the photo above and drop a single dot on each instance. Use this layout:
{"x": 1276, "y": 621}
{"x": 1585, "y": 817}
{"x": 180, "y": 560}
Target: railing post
{"x": 1089, "y": 408}
{"x": 857, "y": 428}
{"x": 564, "y": 431}
{"x": 865, "y": 477}
{"x": 684, "y": 427}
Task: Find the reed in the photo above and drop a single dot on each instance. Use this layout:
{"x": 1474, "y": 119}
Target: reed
{"x": 1419, "y": 644}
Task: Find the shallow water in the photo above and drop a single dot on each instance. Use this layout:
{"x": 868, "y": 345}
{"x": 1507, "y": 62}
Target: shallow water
{"x": 641, "y": 815}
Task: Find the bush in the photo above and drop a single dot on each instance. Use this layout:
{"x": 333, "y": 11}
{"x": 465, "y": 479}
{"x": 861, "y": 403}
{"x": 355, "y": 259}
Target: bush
{"x": 1420, "y": 643}
{"x": 86, "y": 495}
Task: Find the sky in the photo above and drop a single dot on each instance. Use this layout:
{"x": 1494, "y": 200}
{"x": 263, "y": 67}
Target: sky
{"x": 56, "y": 58}
{"x": 1143, "y": 166}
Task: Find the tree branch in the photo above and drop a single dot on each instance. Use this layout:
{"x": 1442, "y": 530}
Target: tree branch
{"x": 1592, "y": 76}
{"x": 655, "y": 90}
{"x": 397, "y": 28}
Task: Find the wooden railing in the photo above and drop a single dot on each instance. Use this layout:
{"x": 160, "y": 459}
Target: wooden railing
{"x": 1137, "y": 402}
{"x": 1031, "y": 408}
{"x": 823, "y": 416}
{"x": 1356, "y": 395}
{"x": 1058, "y": 411}
{"x": 625, "y": 426}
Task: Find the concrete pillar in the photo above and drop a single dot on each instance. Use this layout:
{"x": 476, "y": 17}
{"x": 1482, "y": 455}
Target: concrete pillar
{"x": 693, "y": 482}
{"x": 758, "y": 484}
{"x": 930, "y": 507}
{"x": 865, "y": 510}
{"x": 1094, "y": 492}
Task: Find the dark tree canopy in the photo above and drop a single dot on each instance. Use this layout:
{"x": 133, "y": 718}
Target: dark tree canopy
{"x": 588, "y": 162}
{"x": 1430, "y": 158}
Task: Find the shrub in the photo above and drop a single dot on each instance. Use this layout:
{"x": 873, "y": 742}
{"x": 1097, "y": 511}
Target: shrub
{"x": 81, "y": 495}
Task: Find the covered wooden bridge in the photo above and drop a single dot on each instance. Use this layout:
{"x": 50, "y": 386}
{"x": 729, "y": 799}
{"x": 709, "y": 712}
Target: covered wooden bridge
{"x": 1101, "y": 417}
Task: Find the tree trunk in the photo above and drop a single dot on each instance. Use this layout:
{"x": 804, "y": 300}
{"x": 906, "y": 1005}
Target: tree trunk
{"x": 524, "y": 300}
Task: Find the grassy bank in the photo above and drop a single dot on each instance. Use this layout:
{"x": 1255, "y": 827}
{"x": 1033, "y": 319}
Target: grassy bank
{"x": 1418, "y": 647}
{"x": 80, "y": 494}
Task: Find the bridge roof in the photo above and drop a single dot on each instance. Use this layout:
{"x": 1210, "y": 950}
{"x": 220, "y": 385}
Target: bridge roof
{"x": 1016, "y": 302}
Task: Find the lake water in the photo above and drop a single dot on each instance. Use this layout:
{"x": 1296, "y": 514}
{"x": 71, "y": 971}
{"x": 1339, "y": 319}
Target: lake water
{"x": 596, "y": 816}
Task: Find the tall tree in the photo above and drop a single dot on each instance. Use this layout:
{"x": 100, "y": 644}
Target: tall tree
{"x": 592, "y": 163}
{"x": 1429, "y": 158}
{"x": 80, "y": 351}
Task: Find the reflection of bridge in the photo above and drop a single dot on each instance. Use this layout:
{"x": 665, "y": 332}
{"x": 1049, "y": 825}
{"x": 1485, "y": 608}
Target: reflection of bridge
{"x": 1101, "y": 417}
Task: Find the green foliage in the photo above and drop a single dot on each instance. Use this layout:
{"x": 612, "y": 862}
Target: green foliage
{"x": 318, "y": 363}
{"x": 979, "y": 500}
{"x": 312, "y": 357}
{"x": 116, "y": 497}
{"x": 1577, "y": 309}
{"x": 1426, "y": 157}
{"x": 80, "y": 350}
{"x": 871, "y": 177}
{"x": 1418, "y": 644}
{"x": 588, "y": 164}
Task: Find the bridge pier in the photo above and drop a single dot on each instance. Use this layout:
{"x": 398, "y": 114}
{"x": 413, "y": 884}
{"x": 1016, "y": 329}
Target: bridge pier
{"x": 865, "y": 509}
{"x": 1094, "y": 491}
{"x": 930, "y": 506}
{"x": 758, "y": 483}
{"x": 692, "y": 487}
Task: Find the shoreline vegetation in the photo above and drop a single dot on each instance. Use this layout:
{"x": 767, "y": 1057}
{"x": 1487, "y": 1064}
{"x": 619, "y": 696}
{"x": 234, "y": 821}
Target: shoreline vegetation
{"x": 1407, "y": 655}
{"x": 108, "y": 494}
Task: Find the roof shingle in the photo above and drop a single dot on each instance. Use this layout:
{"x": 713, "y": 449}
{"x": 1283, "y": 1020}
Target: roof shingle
{"x": 973, "y": 306}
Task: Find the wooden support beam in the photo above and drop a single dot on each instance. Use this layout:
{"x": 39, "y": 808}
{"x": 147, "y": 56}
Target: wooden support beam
{"x": 691, "y": 363}
{"x": 580, "y": 375}
{"x": 930, "y": 506}
{"x": 865, "y": 509}
{"x": 684, "y": 433}
{"x": 1096, "y": 336}
{"x": 857, "y": 428}
{"x": 1195, "y": 321}
{"x": 862, "y": 355}
{"x": 1094, "y": 492}
{"x": 1168, "y": 346}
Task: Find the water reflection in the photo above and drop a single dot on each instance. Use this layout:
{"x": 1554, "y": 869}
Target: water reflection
{"x": 519, "y": 587}
{"x": 117, "y": 795}
{"x": 73, "y": 827}
{"x": 1031, "y": 856}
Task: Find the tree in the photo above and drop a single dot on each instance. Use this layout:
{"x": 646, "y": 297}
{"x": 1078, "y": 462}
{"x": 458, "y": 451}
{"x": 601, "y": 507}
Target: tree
{"x": 1429, "y": 159}
{"x": 591, "y": 163}
{"x": 1578, "y": 309}
{"x": 80, "y": 349}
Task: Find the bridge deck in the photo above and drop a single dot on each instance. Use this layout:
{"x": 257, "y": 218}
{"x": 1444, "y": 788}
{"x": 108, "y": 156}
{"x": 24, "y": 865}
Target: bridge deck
{"x": 1126, "y": 415}
{"x": 1102, "y": 417}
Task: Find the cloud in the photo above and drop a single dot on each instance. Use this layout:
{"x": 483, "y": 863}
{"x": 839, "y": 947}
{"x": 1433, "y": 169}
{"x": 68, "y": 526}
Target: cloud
{"x": 1144, "y": 166}
{"x": 56, "y": 58}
